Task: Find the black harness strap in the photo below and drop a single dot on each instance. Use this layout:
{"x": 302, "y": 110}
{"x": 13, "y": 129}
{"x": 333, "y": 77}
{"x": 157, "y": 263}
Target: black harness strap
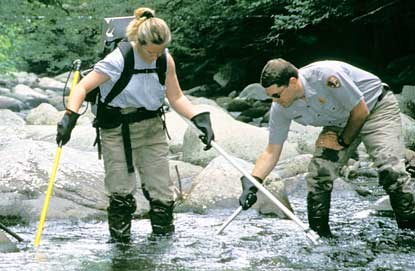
{"x": 145, "y": 71}
{"x": 127, "y": 72}
{"x": 125, "y": 130}
{"x": 125, "y": 77}
{"x": 139, "y": 115}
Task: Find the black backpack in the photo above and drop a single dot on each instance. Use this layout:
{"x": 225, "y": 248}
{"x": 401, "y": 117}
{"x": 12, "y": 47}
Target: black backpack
{"x": 126, "y": 74}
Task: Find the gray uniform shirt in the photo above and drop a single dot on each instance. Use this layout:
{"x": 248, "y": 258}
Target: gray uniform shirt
{"x": 143, "y": 90}
{"x": 331, "y": 89}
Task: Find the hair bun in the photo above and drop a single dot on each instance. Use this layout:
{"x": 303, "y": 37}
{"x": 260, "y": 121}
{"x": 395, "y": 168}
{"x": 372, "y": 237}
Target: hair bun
{"x": 147, "y": 14}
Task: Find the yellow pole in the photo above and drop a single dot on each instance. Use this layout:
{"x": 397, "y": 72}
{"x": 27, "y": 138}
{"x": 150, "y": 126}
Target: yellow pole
{"x": 77, "y": 64}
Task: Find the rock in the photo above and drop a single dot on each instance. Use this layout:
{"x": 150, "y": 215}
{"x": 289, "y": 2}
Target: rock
{"x": 10, "y": 119}
{"x": 24, "y": 78}
{"x": 199, "y": 91}
{"x": 176, "y": 126}
{"x": 408, "y": 131}
{"x": 254, "y": 92}
{"x": 218, "y": 186}
{"x": 7, "y": 80}
{"x": 223, "y": 101}
{"x": 6, "y": 245}
{"x": 256, "y": 112}
{"x": 49, "y": 83}
{"x": 238, "y": 105}
{"x": 26, "y": 174}
{"x": 11, "y": 104}
{"x": 44, "y": 114}
{"x": 237, "y": 138}
{"x": 406, "y": 100}
{"x": 277, "y": 189}
{"x": 28, "y": 93}
{"x": 223, "y": 76}
{"x": 4, "y": 91}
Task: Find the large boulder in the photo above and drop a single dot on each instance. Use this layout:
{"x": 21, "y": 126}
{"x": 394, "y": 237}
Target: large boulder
{"x": 44, "y": 114}
{"x": 237, "y": 138}
{"x": 219, "y": 186}
{"x": 78, "y": 189}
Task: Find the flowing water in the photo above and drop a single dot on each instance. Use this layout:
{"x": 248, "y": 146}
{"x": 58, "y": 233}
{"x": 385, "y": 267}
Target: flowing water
{"x": 251, "y": 242}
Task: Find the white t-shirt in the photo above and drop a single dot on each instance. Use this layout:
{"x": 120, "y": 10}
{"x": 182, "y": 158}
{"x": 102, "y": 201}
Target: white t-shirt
{"x": 143, "y": 90}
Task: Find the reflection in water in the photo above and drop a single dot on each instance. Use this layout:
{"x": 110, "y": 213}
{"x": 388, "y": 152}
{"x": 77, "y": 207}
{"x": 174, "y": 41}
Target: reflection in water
{"x": 141, "y": 256}
{"x": 250, "y": 242}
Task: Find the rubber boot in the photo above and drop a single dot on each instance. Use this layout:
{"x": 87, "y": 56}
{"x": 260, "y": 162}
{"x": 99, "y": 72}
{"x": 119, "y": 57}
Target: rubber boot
{"x": 318, "y": 206}
{"x": 161, "y": 217}
{"x": 404, "y": 207}
{"x": 120, "y": 212}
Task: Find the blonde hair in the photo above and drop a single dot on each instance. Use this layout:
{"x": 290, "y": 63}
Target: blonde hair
{"x": 146, "y": 28}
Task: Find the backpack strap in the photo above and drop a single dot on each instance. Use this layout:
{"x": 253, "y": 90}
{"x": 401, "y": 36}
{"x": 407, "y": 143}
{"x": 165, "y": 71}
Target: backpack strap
{"x": 161, "y": 66}
{"x": 127, "y": 72}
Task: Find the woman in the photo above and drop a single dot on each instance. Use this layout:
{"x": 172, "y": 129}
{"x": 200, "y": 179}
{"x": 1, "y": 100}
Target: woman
{"x": 139, "y": 103}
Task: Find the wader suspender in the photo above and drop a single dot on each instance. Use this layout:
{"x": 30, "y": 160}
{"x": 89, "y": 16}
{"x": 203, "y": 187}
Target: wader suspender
{"x": 126, "y": 74}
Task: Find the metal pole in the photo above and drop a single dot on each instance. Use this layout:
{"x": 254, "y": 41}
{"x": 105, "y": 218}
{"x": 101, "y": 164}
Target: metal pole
{"x": 314, "y": 237}
{"x": 227, "y": 222}
{"x": 77, "y": 64}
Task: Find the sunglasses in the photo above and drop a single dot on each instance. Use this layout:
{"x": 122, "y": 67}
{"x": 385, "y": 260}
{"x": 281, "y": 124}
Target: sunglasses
{"x": 278, "y": 95}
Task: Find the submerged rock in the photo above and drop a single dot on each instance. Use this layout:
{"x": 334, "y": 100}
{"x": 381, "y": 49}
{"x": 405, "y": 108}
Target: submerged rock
{"x": 6, "y": 245}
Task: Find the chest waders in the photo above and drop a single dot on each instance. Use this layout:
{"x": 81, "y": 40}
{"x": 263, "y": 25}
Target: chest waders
{"x": 121, "y": 206}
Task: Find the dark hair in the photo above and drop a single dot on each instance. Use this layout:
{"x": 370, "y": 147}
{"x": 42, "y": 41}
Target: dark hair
{"x": 278, "y": 71}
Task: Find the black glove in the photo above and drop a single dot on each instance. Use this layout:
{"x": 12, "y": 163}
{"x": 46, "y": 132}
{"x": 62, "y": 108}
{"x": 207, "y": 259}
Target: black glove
{"x": 248, "y": 196}
{"x": 65, "y": 126}
{"x": 202, "y": 121}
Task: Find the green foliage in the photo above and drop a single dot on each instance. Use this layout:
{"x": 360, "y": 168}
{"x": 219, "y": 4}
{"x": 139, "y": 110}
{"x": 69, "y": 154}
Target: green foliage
{"x": 52, "y": 34}
{"x": 9, "y": 49}
{"x": 45, "y": 36}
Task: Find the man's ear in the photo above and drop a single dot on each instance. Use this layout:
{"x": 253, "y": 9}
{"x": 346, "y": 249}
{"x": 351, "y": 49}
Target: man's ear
{"x": 292, "y": 81}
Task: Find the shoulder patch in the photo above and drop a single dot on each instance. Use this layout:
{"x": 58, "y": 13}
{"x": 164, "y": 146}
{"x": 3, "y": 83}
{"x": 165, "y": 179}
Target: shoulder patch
{"x": 333, "y": 82}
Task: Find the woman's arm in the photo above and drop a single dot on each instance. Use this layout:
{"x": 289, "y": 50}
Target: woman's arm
{"x": 88, "y": 83}
{"x": 174, "y": 93}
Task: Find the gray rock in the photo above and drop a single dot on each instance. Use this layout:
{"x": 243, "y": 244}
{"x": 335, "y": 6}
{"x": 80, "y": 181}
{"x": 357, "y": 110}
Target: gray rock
{"x": 29, "y": 79}
{"x": 238, "y": 105}
{"x": 406, "y": 97}
{"x": 52, "y": 84}
{"x": 44, "y": 114}
{"x": 254, "y": 92}
{"x": 237, "y": 138}
{"x": 10, "y": 119}
{"x": 11, "y": 104}
{"x": 408, "y": 130}
{"x": 6, "y": 245}
{"x": 4, "y": 91}
{"x": 28, "y": 92}
{"x": 218, "y": 186}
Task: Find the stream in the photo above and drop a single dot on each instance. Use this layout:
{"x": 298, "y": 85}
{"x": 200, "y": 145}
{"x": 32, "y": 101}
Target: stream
{"x": 251, "y": 242}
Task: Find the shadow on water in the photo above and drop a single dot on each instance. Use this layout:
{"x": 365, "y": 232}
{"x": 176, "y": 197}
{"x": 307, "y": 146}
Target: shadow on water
{"x": 250, "y": 242}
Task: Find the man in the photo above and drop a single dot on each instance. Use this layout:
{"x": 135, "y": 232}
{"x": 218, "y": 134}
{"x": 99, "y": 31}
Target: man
{"x": 352, "y": 106}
